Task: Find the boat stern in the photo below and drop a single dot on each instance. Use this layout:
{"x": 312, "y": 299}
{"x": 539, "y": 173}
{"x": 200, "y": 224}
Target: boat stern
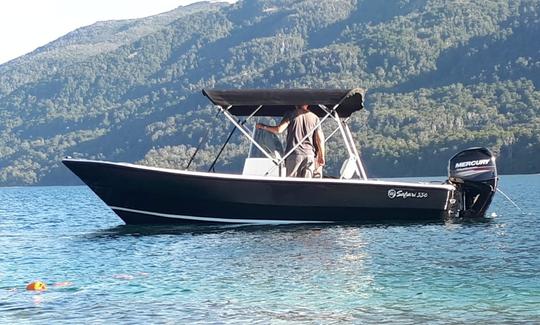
{"x": 474, "y": 174}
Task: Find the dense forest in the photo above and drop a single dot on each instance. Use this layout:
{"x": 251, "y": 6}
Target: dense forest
{"x": 440, "y": 76}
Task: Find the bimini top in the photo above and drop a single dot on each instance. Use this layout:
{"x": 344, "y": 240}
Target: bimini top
{"x": 276, "y": 102}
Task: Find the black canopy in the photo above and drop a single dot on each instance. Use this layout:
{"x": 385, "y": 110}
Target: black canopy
{"x": 276, "y": 102}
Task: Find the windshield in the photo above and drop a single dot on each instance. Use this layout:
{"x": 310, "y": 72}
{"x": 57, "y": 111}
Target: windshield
{"x": 269, "y": 141}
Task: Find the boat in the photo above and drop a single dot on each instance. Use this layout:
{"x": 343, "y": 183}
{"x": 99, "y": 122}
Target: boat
{"x": 263, "y": 194}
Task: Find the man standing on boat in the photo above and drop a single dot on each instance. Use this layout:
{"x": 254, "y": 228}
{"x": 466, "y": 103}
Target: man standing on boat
{"x": 308, "y": 154}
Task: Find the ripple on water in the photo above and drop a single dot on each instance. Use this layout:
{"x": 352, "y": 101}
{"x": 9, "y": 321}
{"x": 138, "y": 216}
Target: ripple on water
{"x": 458, "y": 273}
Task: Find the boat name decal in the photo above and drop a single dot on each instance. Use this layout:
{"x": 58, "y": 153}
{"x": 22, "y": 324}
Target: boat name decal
{"x": 393, "y": 194}
{"x": 472, "y": 163}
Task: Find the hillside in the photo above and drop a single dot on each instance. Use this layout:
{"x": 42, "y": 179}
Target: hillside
{"x": 441, "y": 76}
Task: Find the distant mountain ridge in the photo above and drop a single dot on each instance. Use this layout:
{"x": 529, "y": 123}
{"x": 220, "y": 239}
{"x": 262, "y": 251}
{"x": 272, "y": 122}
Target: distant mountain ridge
{"x": 440, "y": 76}
{"x": 102, "y": 37}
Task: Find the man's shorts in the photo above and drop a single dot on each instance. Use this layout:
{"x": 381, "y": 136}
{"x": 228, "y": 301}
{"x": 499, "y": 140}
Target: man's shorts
{"x": 300, "y": 166}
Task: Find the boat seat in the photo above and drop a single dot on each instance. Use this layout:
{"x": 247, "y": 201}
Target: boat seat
{"x": 260, "y": 166}
{"x": 348, "y": 168}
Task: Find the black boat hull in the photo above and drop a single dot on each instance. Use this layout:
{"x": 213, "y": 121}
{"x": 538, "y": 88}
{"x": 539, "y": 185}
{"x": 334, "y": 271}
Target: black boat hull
{"x": 145, "y": 195}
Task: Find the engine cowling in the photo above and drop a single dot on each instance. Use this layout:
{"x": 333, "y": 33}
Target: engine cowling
{"x": 474, "y": 173}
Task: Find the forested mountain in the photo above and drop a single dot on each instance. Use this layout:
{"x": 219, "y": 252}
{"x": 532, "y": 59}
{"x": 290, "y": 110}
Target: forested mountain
{"x": 441, "y": 76}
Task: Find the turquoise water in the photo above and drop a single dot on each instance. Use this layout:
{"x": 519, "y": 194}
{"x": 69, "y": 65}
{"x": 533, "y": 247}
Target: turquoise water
{"x": 484, "y": 272}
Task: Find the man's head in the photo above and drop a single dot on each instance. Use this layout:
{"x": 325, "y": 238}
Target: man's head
{"x": 304, "y": 107}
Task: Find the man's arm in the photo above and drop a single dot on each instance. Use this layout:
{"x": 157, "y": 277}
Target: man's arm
{"x": 319, "y": 144}
{"x": 282, "y": 126}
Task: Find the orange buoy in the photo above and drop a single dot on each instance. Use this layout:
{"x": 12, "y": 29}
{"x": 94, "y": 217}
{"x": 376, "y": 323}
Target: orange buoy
{"x": 36, "y": 286}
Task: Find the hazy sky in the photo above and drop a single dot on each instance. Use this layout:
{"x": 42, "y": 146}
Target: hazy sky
{"x": 28, "y": 24}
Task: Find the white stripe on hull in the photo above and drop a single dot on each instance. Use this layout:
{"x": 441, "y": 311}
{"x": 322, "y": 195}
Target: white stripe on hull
{"x": 223, "y": 220}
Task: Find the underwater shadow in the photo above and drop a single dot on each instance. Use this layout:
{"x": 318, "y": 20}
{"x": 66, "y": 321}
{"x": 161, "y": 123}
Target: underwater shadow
{"x": 205, "y": 229}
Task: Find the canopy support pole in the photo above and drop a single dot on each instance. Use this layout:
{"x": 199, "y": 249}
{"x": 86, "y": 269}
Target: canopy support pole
{"x": 357, "y": 156}
{"x": 237, "y": 125}
{"x": 242, "y": 129}
{"x": 347, "y": 143}
{"x": 335, "y": 130}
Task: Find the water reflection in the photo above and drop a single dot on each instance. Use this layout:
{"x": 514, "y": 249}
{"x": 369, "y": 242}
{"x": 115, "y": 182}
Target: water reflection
{"x": 201, "y": 229}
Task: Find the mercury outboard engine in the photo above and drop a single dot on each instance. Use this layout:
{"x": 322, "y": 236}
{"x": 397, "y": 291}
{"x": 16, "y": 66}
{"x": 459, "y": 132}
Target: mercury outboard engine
{"x": 474, "y": 173}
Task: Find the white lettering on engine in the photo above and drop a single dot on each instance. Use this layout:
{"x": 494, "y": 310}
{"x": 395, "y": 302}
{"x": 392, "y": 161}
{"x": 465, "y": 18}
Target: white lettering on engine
{"x": 472, "y": 163}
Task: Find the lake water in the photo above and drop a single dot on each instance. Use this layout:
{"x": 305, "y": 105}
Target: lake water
{"x": 484, "y": 272}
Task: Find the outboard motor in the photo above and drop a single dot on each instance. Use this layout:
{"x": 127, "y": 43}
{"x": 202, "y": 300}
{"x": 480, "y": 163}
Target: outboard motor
{"x": 474, "y": 173}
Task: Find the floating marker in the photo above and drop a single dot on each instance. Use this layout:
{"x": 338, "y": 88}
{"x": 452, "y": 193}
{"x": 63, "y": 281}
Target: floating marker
{"x": 36, "y": 286}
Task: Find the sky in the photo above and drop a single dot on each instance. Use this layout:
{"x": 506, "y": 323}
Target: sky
{"x": 28, "y": 24}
